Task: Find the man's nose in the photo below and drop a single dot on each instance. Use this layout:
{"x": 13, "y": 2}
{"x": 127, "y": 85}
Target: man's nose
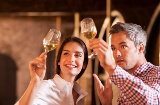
{"x": 118, "y": 53}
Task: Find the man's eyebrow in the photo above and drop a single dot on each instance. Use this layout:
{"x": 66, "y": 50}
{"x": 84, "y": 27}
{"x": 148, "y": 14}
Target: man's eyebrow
{"x": 119, "y": 44}
{"x": 122, "y": 43}
{"x": 112, "y": 45}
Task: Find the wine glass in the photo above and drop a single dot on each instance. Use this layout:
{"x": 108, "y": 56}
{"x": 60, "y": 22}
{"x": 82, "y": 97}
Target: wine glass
{"x": 88, "y": 29}
{"x": 51, "y": 40}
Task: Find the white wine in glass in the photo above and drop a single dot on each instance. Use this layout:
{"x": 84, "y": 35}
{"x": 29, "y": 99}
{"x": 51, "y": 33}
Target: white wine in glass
{"x": 51, "y": 40}
{"x": 89, "y": 35}
{"x": 88, "y": 29}
{"x": 50, "y": 47}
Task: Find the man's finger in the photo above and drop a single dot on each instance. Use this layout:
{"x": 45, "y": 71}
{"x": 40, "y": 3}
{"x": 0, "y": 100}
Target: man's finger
{"x": 97, "y": 80}
{"x": 108, "y": 83}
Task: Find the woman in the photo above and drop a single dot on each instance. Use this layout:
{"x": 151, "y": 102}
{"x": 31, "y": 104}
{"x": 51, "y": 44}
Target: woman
{"x": 71, "y": 62}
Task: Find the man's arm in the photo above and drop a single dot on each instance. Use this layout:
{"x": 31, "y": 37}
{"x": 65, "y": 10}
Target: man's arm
{"x": 134, "y": 90}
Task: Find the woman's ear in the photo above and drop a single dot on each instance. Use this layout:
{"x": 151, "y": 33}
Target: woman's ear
{"x": 84, "y": 66}
{"x": 58, "y": 63}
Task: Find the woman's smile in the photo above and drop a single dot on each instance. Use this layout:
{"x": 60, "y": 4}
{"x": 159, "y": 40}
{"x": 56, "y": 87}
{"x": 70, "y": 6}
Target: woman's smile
{"x": 70, "y": 66}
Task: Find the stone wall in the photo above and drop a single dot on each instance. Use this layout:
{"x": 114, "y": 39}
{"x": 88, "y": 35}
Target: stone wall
{"x": 21, "y": 38}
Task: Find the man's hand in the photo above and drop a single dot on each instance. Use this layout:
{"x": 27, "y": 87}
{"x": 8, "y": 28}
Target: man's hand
{"x": 104, "y": 54}
{"x": 105, "y": 94}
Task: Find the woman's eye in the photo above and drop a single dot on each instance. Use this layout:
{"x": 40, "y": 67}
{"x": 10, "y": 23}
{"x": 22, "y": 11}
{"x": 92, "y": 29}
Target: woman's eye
{"x": 78, "y": 55}
{"x": 65, "y": 53}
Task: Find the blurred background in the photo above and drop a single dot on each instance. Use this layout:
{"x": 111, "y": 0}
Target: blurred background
{"x": 24, "y": 23}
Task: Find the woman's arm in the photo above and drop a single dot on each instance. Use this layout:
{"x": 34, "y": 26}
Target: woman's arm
{"x": 25, "y": 99}
{"x": 37, "y": 73}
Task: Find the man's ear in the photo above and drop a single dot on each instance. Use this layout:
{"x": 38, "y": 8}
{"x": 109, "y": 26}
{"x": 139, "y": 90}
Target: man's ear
{"x": 141, "y": 47}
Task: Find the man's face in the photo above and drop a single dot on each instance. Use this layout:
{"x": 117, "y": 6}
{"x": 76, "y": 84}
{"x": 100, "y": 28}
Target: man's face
{"x": 125, "y": 53}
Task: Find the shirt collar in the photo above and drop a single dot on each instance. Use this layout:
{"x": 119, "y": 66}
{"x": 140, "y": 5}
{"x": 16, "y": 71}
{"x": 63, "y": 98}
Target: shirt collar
{"x": 79, "y": 90}
{"x": 61, "y": 84}
{"x": 142, "y": 68}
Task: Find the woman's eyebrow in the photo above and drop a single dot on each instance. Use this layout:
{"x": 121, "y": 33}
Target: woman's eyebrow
{"x": 66, "y": 50}
{"x": 79, "y": 52}
{"x": 75, "y": 51}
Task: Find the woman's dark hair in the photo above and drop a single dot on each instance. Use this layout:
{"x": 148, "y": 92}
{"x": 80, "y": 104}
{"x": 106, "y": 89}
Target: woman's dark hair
{"x": 82, "y": 44}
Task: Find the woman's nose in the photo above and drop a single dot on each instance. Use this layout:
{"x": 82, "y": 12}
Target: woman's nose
{"x": 71, "y": 58}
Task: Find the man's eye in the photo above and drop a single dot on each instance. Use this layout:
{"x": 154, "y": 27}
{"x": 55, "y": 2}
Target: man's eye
{"x": 112, "y": 48}
{"x": 123, "y": 46}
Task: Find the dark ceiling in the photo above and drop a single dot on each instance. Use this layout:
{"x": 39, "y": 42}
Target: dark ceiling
{"x": 71, "y": 5}
{"x": 136, "y": 11}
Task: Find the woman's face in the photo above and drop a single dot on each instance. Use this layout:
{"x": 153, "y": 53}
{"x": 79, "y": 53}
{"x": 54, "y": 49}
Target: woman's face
{"x": 71, "y": 61}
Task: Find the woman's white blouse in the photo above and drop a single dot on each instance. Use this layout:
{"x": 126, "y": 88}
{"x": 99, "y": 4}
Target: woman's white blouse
{"x": 57, "y": 91}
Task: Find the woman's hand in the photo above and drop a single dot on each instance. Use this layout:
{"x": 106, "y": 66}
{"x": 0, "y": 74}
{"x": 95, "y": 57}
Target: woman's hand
{"x": 37, "y": 67}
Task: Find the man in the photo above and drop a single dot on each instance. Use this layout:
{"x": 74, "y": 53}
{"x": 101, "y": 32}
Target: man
{"x": 138, "y": 80}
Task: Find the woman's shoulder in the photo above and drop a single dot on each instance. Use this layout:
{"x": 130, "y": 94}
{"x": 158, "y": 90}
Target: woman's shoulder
{"x": 48, "y": 82}
{"x": 46, "y": 86}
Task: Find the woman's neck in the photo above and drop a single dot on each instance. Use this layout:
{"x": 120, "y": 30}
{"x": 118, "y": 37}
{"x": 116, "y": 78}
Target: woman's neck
{"x": 68, "y": 78}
